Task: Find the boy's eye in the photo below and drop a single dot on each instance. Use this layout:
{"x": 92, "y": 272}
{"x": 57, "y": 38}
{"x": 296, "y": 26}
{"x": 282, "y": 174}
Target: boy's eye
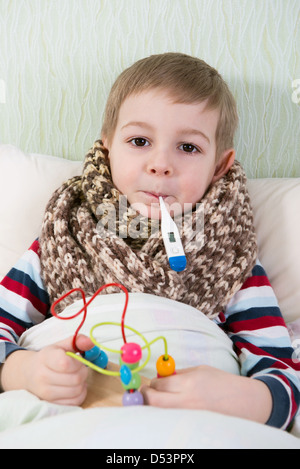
{"x": 139, "y": 142}
{"x": 189, "y": 148}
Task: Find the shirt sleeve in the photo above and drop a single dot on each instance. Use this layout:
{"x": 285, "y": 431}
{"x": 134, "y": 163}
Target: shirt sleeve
{"x": 255, "y": 324}
{"x": 24, "y": 301}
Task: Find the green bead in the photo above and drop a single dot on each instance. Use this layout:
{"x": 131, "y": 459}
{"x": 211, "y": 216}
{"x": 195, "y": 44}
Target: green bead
{"x": 132, "y": 366}
{"x": 135, "y": 382}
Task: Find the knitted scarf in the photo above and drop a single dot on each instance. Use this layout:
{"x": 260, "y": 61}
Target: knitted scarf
{"x": 78, "y": 250}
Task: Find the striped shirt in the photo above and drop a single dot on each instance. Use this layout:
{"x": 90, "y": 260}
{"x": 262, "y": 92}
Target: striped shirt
{"x": 252, "y": 320}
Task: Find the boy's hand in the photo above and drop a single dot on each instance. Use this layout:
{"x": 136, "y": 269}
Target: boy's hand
{"x": 209, "y": 388}
{"x": 50, "y": 374}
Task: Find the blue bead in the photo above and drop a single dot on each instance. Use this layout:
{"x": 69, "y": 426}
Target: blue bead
{"x": 132, "y": 398}
{"x": 125, "y": 374}
{"x": 92, "y": 354}
{"x": 101, "y": 360}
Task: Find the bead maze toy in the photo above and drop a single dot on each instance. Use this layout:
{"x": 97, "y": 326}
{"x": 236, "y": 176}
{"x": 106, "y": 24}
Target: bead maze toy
{"x": 130, "y": 352}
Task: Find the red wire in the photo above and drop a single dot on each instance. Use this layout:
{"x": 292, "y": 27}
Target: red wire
{"x": 84, "y": 308}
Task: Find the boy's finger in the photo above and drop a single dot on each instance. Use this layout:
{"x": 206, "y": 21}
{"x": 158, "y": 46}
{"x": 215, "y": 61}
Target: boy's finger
{"x": 58, "y": 361}
{"x": 82, "y": 342}
{"x": 160, "y": 399}
{"x": 172, "y": 384}
{"x": 72, "y": 401}
{"x": 74, "y": 374}
{"x": 69, "y": 395}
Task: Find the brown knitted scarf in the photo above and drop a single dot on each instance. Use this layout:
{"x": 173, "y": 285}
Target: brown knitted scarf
{"x": 77, "y": 249}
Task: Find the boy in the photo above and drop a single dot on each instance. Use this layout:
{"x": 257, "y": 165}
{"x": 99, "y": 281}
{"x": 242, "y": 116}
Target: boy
{"x": 168, "y": 131}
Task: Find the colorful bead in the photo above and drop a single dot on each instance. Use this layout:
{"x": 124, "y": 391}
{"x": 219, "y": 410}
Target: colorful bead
{"x": 165, "y": 366}
{"x": 132, "y": 366}
{"x": 131, "y": 352}
{"x": 125, "y": 374}
{"x": 134, "y": 383}
{"x": 92, "y": 354}
{"x": 96, "y": 356}
{"x": 132, "y": 398}
{"x": 101, "y": 360}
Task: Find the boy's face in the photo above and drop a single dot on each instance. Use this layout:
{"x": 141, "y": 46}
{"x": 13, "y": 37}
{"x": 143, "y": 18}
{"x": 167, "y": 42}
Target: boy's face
{"x": 164, "y": 148}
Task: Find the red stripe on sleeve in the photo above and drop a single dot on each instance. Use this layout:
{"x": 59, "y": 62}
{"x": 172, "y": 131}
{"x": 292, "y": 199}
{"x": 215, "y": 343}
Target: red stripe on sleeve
{"x": 256, "y": 281}
{"x": 282, "y": 364}
{"x": 35, "y": 247}
{"x": 17, "y": 328}
{"x": 257, "y": 323}
{"x": 23, "y": 291}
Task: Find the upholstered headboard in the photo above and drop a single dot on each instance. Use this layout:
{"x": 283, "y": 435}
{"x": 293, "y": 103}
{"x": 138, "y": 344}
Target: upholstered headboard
{"x": 58, "y": 59}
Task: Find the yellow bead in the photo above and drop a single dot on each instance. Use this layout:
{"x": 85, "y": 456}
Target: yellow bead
{"x": 165, "y": 366}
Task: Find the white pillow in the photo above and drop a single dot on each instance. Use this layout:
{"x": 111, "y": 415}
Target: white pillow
{"x": 26, "y": 184}
{"x": 276, "y": 205}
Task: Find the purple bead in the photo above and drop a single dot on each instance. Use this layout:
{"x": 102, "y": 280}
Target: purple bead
{"x": 132, "y": 398}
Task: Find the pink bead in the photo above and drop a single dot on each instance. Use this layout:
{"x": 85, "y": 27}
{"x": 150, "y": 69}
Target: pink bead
{"x": 131, "y": 352}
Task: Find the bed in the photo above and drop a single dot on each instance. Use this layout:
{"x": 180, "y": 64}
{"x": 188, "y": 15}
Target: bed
{"x": 26, "y": 183}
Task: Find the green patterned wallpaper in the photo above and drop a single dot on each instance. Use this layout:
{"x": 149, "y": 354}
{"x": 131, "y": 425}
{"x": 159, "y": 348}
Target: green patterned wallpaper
{"x": 58, "y": 59}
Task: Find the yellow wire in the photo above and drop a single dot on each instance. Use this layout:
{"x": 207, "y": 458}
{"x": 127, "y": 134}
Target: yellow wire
{"x": 117, "y": 373}
{"x": 102, "y": 370}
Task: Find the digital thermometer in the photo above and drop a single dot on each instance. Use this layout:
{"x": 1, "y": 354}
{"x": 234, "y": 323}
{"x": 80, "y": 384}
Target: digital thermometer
{"x": 171, "y": 238}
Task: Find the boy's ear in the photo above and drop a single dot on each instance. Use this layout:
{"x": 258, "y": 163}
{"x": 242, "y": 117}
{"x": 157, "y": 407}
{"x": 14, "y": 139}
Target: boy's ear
{"x": 105, "y": 143}
{"x": 224, "y": 164}
{"x": 104, "y": 140}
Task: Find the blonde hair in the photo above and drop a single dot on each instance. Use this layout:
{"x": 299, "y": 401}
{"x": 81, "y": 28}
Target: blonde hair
{"x": 187, "y": 79}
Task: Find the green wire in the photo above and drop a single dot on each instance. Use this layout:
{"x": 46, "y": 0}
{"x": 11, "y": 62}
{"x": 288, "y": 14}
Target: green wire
{"x": 117, "y": 373}
{"x": 165, "y": 344}
{"x": 102, "y": 370}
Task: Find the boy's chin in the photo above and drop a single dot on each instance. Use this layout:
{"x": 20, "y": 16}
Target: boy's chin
{"x": 149, "y": 211}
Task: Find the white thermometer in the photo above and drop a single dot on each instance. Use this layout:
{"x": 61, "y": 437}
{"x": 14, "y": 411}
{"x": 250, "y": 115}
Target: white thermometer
{"x": 171, "y": 238}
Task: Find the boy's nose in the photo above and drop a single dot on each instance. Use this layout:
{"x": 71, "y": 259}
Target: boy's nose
{"x": 159, "y": 165}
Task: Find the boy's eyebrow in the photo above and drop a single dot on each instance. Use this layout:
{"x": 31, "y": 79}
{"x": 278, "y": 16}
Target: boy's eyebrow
{"x": 191, "y": 131}
{"x": 137, "y": 124}
{"x": 188, "y": 130}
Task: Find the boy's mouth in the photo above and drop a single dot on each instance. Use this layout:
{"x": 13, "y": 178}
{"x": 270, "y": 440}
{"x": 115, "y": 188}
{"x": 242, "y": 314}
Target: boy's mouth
{"x": 156, "y": 195}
